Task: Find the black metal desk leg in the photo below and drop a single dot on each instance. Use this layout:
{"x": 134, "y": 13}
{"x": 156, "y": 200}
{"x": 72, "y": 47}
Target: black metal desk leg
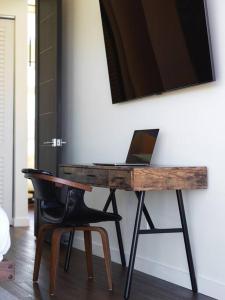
{"x": 141, "y": 197}
{"x": 109, "y": 200}
{"x": 118, "y": 231}
{"x": 187, "y": 241}
{"x": 112, "y": 199}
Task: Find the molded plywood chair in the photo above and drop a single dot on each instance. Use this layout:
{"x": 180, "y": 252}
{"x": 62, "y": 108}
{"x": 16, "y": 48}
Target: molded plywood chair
{"x": 61, "y": 205}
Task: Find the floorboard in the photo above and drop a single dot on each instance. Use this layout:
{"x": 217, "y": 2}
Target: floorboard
{"x": 74, "y": 284}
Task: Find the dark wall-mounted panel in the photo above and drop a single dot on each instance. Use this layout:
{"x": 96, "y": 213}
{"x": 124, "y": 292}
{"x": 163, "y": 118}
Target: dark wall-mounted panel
{"x": 153, "y": 46}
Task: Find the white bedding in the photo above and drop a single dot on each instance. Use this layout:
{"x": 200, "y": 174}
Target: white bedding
{"x": 5, "y": 241}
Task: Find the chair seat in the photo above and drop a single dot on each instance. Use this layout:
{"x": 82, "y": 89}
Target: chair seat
{"x": 89, "y": 215}
{"x": 86, "y": 215}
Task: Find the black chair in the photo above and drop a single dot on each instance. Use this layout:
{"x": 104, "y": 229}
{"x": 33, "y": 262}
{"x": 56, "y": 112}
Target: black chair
{"x": 61, "y": 205}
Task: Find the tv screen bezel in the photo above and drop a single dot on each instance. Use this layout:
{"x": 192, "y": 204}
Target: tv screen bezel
{"x": 211, "y": 63}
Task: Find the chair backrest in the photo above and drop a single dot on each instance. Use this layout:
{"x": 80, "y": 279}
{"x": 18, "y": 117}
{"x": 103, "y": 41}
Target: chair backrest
{"x": 56, "y": 203}
{"x": 44, "y": 190}
{"x": 51, "y": 201}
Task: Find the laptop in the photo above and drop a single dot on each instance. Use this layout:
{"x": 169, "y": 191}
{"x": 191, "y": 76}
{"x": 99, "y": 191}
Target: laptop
{"x": 141, "y": 149}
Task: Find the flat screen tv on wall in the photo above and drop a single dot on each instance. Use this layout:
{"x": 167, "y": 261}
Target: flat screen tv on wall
{"x": 153, "y": 46}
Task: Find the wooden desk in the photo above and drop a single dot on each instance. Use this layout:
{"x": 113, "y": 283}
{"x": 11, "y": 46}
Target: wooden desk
{"x": 140, "y": 180}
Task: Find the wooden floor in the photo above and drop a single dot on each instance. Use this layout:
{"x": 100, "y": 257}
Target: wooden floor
{"x": 74, "y": 284}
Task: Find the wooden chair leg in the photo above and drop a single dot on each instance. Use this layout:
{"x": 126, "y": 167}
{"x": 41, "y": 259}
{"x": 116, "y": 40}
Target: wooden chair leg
{"x": 39, "y": 243}
{"x": 57, "y": 233}
{"x": 88, "y": 251}
{"x": 55, "y": 247}
{"x": 107, "y": 257}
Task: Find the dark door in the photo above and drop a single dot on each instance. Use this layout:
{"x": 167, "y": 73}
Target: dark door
{"x": 48, "y": 85}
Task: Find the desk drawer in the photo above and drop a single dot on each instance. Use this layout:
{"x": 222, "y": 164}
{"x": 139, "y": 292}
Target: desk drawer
{"x": 120, "y": 179}
{"x": 90, "y": 176}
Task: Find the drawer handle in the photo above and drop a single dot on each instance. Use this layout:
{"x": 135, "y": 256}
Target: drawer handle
{"x": 67, "y": 173}
{"x": 118, "y": 178}
{"x": 90, "y": 175}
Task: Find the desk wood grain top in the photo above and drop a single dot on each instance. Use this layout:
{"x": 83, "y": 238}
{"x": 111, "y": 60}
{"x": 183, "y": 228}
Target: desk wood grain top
{"x": 136, "y": 178}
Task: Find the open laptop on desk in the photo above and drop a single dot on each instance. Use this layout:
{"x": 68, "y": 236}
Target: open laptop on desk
{"x": 141, "y": 149}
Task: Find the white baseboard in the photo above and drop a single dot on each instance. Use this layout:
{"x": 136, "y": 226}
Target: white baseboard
{"x": 206, "y": 286}
{"x": 21, "y": 222}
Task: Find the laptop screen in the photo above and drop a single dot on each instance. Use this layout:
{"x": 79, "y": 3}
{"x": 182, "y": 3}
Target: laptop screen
{"x": 142, "y": 146}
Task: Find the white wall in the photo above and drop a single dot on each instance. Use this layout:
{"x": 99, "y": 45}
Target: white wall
{"x": 192, "y": 125}
{"x": 18, "y": 8}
